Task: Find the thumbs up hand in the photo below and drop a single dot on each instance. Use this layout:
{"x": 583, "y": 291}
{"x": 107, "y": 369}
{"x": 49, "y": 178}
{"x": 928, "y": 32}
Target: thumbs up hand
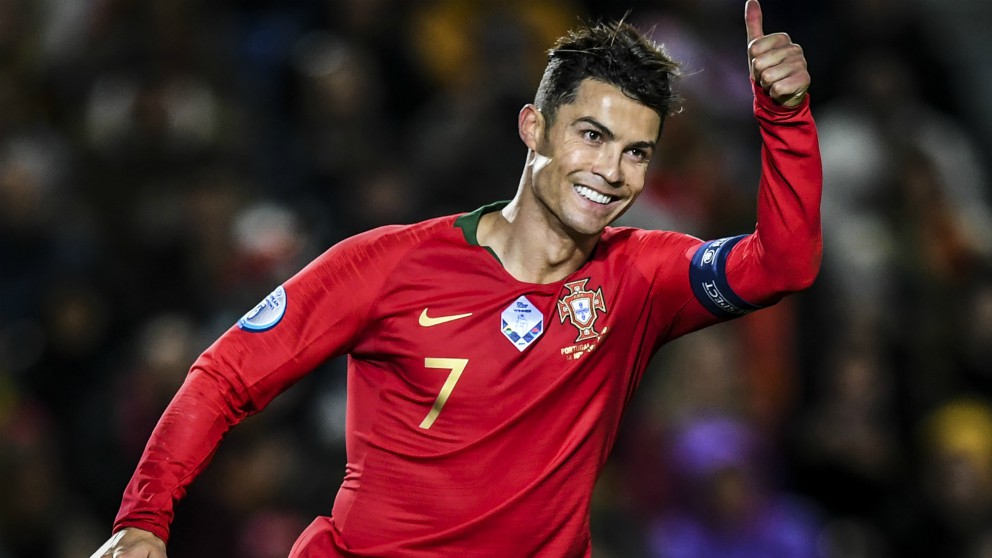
{"x": 776, "y": 63}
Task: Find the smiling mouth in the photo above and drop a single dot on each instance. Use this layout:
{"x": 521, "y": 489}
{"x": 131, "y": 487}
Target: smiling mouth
{"x": 592, "y": 195}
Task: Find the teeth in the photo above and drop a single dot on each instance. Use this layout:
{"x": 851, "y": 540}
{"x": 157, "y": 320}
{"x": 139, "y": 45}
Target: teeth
{"x": 592, "y": 195}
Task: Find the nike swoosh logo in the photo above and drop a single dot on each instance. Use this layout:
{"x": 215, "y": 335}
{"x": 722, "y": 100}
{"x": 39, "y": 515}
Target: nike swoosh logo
{"x": 428, "y": 321}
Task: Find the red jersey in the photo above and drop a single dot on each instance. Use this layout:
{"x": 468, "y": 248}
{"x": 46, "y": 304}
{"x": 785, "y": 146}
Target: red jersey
{"x": 481, "y": 408}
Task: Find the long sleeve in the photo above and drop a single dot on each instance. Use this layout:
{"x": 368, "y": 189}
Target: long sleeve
{"x": 730, "y": 277}
{"x": 180, "y": 447}
{"x": 783, "y": 254}
{"x": 318, "y": 314}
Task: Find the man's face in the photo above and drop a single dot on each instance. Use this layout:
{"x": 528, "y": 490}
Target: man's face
{"x": 591, "y": 163}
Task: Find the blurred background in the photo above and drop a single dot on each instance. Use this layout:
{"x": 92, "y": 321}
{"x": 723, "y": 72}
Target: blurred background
{"x": 165, "y": 163}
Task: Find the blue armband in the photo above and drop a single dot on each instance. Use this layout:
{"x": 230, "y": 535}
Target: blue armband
{"x": 708, "y": 276}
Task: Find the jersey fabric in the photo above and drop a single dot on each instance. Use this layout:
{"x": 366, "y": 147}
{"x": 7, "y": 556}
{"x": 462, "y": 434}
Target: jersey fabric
{"x": 481, "y": 408}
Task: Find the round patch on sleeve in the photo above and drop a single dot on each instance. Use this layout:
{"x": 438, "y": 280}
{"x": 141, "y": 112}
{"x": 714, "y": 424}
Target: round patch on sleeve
{"x": 266, "y": 314}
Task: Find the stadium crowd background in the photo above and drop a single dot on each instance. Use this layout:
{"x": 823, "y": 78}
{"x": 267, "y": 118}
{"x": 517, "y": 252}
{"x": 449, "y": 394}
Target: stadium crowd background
{"x": 165, "y": 163}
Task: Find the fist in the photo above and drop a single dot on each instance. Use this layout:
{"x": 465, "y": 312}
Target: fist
{"x": 131, "y": 543}
{"x": 776, "y": 63}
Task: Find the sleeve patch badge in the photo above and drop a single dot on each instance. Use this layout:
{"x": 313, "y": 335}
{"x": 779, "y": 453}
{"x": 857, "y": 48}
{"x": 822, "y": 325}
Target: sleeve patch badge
{"x": 266, "y": 314}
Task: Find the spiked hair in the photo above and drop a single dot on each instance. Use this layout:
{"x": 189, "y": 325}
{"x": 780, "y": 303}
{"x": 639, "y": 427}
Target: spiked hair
{"x": 616, "y": 54}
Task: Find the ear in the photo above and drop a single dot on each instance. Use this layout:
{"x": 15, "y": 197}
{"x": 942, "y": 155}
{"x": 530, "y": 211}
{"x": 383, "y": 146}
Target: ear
{"x": 530, "y": 125}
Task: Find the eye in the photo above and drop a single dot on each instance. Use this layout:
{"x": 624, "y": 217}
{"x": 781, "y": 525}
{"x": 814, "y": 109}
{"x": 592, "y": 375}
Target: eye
{"x": 593, "y": 136}
{"x": 639, "y": 155}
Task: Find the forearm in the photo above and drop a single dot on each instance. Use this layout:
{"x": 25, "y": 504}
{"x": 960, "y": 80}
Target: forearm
{"x": 182, "y": 444}
{"x": 325, "y": 308}
{"x": 783, "y": 254}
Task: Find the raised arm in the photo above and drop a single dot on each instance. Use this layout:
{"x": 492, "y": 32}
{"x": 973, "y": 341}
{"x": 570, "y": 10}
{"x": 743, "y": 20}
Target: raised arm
{"x": 783, "y": 254}
{"x": 733, "y": 276}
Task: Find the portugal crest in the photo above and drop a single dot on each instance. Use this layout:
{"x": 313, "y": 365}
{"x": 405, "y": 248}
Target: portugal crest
{"x": 582, "y": 307}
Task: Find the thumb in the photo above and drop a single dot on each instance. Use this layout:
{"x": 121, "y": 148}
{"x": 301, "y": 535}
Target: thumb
{"x": 752, "y": 20}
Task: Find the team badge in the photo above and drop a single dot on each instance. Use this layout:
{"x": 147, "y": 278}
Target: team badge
{"x": 266, "y": 314}
{"x": 582, "y": 308}
{"x": 522, "y": 323}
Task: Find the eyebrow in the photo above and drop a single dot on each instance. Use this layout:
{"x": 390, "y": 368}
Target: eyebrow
{"x": 601, "y": 128}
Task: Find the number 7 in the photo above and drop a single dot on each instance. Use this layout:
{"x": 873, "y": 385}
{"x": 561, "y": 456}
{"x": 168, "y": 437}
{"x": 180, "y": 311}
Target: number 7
{"x": 457, "y": 366}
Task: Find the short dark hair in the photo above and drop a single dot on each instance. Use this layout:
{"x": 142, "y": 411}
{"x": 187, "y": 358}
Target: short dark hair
{"x": 614, "y": 53}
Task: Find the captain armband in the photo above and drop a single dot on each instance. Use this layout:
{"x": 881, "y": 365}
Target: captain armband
{"x": 708, "y": 276}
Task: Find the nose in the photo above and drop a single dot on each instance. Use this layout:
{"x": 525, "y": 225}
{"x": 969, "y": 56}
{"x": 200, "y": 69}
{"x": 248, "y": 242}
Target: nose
{"x": 608, "y": 166}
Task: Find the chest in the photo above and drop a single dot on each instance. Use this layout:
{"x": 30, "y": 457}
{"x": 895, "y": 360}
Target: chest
{"x": 477, "y": 314}
{"x": 460, "y": 342}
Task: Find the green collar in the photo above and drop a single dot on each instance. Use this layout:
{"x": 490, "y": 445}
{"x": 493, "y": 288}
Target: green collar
{"x": 469, "y": 223}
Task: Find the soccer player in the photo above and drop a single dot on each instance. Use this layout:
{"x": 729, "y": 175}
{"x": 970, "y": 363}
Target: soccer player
{"x": 492, "y": 354}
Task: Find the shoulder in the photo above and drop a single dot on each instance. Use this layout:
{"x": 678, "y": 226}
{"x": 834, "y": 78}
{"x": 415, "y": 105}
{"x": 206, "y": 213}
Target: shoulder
{"x": 390, "y": 239}
{"x": 381, "y": 248}
{"x": 635, "y": 240}
{"x": 404, "y": 235}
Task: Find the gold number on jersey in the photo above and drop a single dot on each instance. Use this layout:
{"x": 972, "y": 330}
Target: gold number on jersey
{"x": 456, "y": 366}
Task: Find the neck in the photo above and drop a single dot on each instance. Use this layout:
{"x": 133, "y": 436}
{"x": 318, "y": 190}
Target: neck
{"x": 531, "y": 249}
